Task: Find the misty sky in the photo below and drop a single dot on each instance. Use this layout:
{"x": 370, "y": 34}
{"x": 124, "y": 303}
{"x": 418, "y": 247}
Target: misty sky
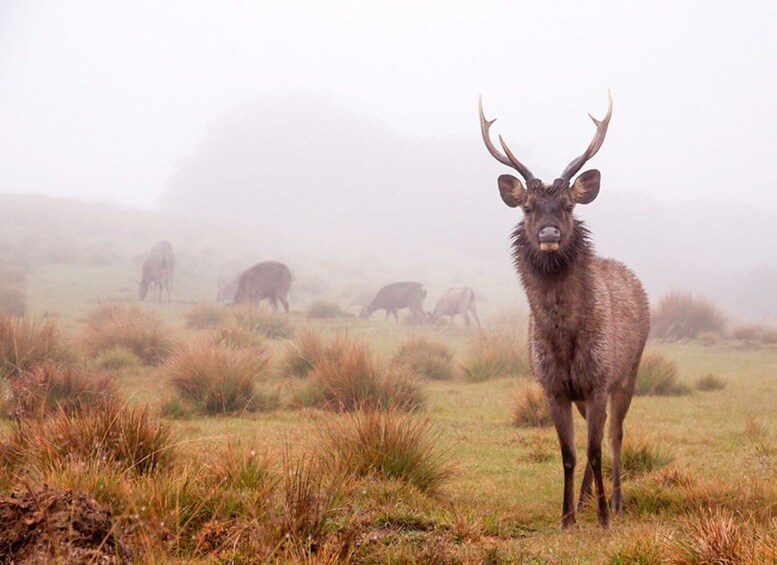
{"x": 103, "y": 100}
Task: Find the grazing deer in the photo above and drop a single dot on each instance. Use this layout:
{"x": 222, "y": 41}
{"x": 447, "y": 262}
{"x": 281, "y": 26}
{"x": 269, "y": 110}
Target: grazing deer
{"x": 455, "y": 301}
{"x": 589, "y": 316}
{"x": 269, "y": 280}
{"x": 158, "y": 270}
{"x": 394, "y": 297}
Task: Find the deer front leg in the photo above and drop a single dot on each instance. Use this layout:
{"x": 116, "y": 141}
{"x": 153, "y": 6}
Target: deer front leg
{"x": 561, "y": 412}
{"x": 596, "y": 414}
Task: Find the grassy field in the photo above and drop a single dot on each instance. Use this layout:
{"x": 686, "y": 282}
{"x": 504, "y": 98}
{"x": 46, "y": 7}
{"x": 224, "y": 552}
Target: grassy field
{"x": 207, "y": 441}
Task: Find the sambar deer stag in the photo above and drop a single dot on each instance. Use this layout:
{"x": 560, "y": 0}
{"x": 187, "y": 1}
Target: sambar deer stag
{"x": 269, "y": 280}
{"x": 396, "y": 296}
{"x": 456, "y": 301}
{"x": 588, "y": 319}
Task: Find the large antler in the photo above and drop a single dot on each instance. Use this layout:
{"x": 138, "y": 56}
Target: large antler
{"x": 593, "y": 147}
{"x": 510, "y": 159}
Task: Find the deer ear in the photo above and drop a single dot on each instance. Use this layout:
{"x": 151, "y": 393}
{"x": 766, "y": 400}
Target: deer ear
{"x": 511, "y": 190}
{"x": 586, "y": 187}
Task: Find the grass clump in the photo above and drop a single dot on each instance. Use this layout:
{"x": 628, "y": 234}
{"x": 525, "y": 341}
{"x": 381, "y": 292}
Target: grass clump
{"x": 683, "y": 316}
{"x": 308, "y": 350}
{"x": 204, "y": 316}
{"x": 26, "y": 344}
{"x": 111, "y": 326}
{"x": 350, "y": 379}
{"x": 530, "y": 408}
{"x": 710, "y": 382}
{"x": 116, "y": 358}
{"x": 658, "y": 376}
{"x": 258, "y": 320}
{"x": 640, "y": 456}
{"x": 324, "y": 309}
{"x": 754, "y": 334}
{"x": 390, "y": 444}
{"x": 219, "y": 380}
{"x": 120, "y": 436}
{"x": 50, "y": 387}
{"x": 425, "y": 358}
{"x": 496, "y": 354}
{"x": 232, "y": 334}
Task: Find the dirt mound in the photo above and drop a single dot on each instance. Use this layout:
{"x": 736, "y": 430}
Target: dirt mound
{"x": 57, "y": 526}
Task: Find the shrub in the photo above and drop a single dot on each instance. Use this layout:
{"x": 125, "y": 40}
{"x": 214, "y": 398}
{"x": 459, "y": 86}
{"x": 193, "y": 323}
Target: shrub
{"x": 12, "y": 300}
{"x": 116, "y": 358}
{"x": 496, "y": 354}
{"x": 258, "y": 320}
{"x": 530, "y": 409}
{"x": 112, "y": 326}
{"x": 204, "y": 316}
{"x": 219, "y": 380}
{"x": 352, "y": 379}
{"x": 325, "y": 309}
{"x": 49, "y": 387}
{"x": 390, "y": 444}
{"x": 425, "y": 358}
{"x": 710, "y": 382}
{"x": 658, "y": 376}
{"x": 122, "y": 436}
{"x": 25, "y": 344}
{"x": 682, "y": 316}
{"x": 716, "y": 536}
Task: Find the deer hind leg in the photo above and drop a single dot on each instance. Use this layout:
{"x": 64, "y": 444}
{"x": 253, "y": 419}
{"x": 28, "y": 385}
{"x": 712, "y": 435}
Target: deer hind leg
{"x": 396, "y": 315}
{"x": 561, "y": 413}
{"x": 596, "y": 412}
{"x": 619, "y": 407}
{"x": 474, "y": 312}
{"x": 285, "y": 303}
{"x": 588, "y": 477}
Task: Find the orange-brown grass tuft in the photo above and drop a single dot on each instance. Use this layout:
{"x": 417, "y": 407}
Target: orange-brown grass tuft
{"x": 258, "y": 320}
{"x": 204, "y": 316}
{"x": 25, "y": 344}
{"x": 49, "y": 387}
{"x": 723, "y": 537}
{"x": 658, "y": 376}
{"x": 116, "y": 358}
{"x": 497, "y": 354}
{"x": 754, "y": 334}
{"x": 390, "y": 444}
{"x": 709, "y": 382}
{"x": 219, "y": 380}
{"x": 683, "y": 316}
{"x": 309, "y": 349}
{"x": 111, "y": 326}
{"x": 530, "y": 409}
{"x": 352, "y": 379}
{"x": 425, "y": 358}
{"x": 237, "y": 336}
{"x": 120, "y": 436}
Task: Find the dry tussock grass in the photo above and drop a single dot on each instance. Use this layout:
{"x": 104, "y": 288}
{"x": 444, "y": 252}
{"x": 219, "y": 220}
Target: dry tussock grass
{"x": 683, "y": 316}
{"x": 497, "y": 354}
{"x": 111, "y": 326}
{"x": 26, "y": 344}
{"x": 530, "y": 408}
{"x": 425, "y": 358}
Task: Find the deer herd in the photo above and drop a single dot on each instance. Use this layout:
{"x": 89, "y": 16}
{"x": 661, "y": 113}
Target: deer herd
{"x": 588, "y": 322}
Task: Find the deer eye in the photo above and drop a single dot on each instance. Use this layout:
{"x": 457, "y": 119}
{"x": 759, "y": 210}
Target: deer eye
{"x": 569, "y": 208}
{"x": 528, "y": 209}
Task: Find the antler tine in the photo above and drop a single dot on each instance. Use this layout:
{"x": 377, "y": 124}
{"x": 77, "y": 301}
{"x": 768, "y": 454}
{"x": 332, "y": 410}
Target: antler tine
{"x": 594, "y": 146}
{"x": 510, "y": 159}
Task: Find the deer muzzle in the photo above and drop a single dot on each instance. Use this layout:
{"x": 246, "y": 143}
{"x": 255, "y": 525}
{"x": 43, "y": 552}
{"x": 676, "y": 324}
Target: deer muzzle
{"x": 549, "y": 238}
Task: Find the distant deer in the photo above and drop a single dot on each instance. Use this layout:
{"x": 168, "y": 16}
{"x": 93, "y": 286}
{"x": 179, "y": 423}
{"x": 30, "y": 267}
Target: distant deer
{"x": 589, "y": 316}
{"x": 456, "y": 301}
{"x": 396, "y": 296}
{"x": 158, "y": 270}
{"x": 269, "y": 280}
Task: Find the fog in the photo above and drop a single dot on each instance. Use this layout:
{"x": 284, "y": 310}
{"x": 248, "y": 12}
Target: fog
{"x": 349, "y": 129}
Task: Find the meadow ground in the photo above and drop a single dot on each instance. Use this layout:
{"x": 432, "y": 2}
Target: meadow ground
{"x": 713, "y": 488}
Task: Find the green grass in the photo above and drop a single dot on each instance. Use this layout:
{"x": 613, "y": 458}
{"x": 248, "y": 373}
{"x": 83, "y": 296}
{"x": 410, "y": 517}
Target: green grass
{"x": 248, "y": 485}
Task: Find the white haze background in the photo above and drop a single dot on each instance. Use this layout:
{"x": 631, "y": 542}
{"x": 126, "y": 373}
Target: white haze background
{"x": 332, "y": 122}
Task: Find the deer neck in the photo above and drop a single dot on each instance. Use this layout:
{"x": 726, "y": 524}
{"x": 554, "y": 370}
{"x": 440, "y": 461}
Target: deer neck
{"x": 559, "y": 287}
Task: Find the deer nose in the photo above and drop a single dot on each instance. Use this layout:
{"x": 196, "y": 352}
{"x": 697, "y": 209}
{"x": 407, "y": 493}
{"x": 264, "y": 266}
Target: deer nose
{"x": 549, "y": 234}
